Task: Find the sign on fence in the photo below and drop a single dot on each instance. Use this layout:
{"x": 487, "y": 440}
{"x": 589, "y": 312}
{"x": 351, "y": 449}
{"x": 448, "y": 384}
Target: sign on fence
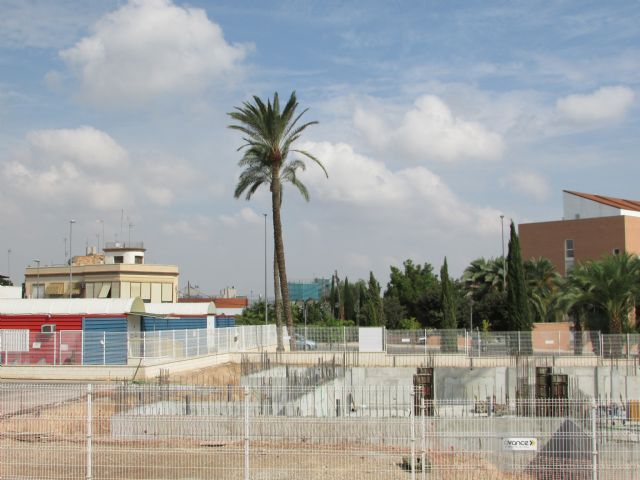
{"x": 520, "y": 444}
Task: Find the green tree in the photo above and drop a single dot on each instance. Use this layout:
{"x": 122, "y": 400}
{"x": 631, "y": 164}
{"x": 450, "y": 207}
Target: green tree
{"x": 449, "y": 317}
{"x": 257, "y": 172}
{"x": 411, "y": 286}
{"x": 269, "y": 134}
{"x": 544, "y": 286}
{"x": 349, "y": 300}
{"x": 517, "y": 300}
{"x": 608, "y": 289}
{"x": 484, "y": 276}
{"x": 373, "y": 308}
{"x": 395, "y": 313}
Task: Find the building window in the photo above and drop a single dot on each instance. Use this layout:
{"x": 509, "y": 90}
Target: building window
{"x": 48, "y": 328}
{"x": 118, "y": 259}
{"x": 568, "y": 249}
{"x": 138, "y": 259}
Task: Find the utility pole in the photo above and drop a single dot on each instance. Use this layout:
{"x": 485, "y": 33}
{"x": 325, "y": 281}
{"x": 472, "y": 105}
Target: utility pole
{"x": 504, "y": 260}
{"x": 266, "y": 311}
{"x": 71, "y": 222}
{"x": 38, "y": 279}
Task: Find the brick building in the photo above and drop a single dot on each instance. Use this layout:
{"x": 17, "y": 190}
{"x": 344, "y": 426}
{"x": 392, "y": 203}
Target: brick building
{"x": 592, "y": 226}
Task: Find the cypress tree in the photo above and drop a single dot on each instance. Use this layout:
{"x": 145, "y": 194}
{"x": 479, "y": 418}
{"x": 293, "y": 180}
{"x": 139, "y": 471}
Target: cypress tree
{"x": 349, "y": 301}
{"x": 518, "y": 313}
{"x": 449, "y": 322}
{"x": 374, "y": 308}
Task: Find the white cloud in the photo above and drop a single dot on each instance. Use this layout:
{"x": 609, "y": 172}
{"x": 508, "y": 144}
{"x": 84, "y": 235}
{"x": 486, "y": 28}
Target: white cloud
{"x": 149, "y": 48}
{"x": 430, "y": 130}
{"x": 366, "y": 183}
{"x": 529, "y": 184}
{"x": 87, "y": 167}
{"x": 84, "y": 146}
{"x": 197, "y": 227}
{"x": 159, "y": 195}
{"x": 80, "y": 166}
{"x": 245, "y": 215}
{"x": 607, "y": 104}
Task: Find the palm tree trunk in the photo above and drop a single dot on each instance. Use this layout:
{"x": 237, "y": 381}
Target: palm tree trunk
{"x": 279, "y": 248}
{"x": 278, "y": 304}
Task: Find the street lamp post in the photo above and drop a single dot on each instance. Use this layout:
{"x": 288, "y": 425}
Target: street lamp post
{"x": 504, "y": 261}
{"x": 101, "y": 222}
{"x": 37, "y": 262}
{"x": 71, "y": 222}
{"x": 266, "y": 314}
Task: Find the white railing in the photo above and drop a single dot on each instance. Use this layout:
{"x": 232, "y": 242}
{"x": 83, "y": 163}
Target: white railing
{"x": 71, "y": 347}
{"x": 21, "y": 347}
{"x": 166, "y": 431}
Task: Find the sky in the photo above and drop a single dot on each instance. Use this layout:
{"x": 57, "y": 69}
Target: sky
{"x": 435, "y": 118}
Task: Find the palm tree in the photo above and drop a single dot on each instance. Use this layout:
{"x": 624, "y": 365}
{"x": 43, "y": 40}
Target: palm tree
{"x": 269, "y": 134}
{"x": 609, "y": 286}
{"x": 544, "y": 285}
{"x": 484, "y": 276}
{"x": 255, "y": 174}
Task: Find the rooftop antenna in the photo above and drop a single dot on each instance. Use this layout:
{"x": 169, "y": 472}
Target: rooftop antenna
{"x": 131, "y": 225}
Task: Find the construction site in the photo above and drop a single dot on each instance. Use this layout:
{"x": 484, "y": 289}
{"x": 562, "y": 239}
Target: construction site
{"x": 338, "y": 412}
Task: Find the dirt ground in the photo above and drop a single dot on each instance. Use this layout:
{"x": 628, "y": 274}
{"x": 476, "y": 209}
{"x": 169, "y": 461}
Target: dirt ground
{"x": 219, "y": 375}
{"x": 188, "y": 460}
{"x": 51, "y": 442}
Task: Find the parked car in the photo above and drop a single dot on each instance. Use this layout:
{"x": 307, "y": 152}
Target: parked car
{"x": 303, "y": 343}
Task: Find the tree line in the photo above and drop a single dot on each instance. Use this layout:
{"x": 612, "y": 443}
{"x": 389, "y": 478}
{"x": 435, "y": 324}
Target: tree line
{"x": 496, "y": 294}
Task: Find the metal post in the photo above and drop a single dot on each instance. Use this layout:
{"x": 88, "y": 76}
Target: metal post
{"x": 594, "y": 443}
{"x": 198, "y": 345}
{"x": 89, "y": 475}
{"x": 423, "y": 458}
{"x": 55, "y": 350}
{"x": 504, "y": 260}
{"x": 413, "y": 434}
{"x": 519, "y": 351}
{"x": 174, "y": 343}
{"x": 466, "y": 343}
{"x": 344, "y": 337}
{"x": 37, "y": 280}
{"x": 186, "y": 344}
{"x": 266, "y": 314}
{"x": 425, "y": 341}
{"x": 71, "y": 222}
{"x": 246, "y": 433}
{"x": 628, "y": 347}
{"x": 104, "y": 348}
{"x": 600, "y": 340}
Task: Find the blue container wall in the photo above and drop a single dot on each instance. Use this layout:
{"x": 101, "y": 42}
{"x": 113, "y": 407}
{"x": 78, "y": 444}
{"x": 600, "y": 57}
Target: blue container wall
{"x": 224, "y": 322}
{"x": 104, "y": 341}
{"x": 152, "y": 324}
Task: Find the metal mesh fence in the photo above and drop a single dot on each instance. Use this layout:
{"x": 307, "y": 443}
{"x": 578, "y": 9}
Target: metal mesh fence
{"x": 70, "y": 347}
{"x": 120, "y": 431}
{"x": 22, "y": 347}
